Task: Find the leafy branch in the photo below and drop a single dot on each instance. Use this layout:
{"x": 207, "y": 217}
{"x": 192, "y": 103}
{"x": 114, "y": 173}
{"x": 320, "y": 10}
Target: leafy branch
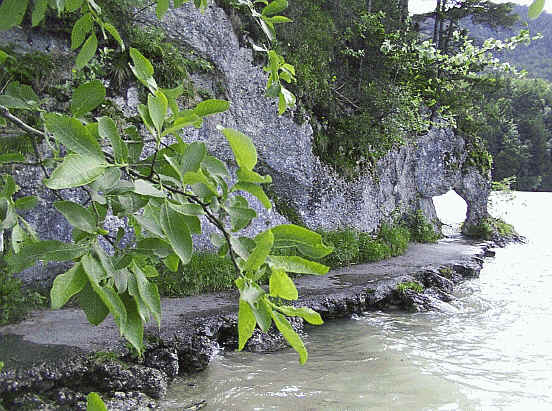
{"x": 164, "y": 197}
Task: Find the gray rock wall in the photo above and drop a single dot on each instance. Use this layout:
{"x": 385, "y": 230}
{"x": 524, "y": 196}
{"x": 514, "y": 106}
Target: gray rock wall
{"x": 404, "y": 180}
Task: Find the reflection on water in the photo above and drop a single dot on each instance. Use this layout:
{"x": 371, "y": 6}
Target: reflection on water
{"x": 494, "y": 353}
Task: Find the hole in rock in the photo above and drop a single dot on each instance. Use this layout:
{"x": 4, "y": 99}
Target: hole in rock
{"x": 451, "y": 210}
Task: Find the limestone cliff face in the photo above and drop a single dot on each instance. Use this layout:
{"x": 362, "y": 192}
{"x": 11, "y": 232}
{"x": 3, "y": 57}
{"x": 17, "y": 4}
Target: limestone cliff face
{"x": 403, "y": 181}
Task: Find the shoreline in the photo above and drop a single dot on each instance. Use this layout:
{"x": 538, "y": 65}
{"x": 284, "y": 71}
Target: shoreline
{"x": 55, "y": 357}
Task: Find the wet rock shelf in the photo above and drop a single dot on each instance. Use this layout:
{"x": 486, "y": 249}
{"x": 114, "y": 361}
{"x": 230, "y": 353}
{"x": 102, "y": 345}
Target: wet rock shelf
{"x": 55, "y": 357}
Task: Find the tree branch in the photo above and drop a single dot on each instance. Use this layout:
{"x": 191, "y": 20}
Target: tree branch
{"x": 4, "y": 112}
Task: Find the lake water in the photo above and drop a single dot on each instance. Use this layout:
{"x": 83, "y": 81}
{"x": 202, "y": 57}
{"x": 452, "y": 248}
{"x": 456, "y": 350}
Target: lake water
{"x": 494, "y": 353}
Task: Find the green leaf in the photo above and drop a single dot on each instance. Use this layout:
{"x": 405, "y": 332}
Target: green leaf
{"x": 275, "y": 7}
{"x": 146, "y": 188}
{"x": 76, "y": 137}
{"x": 134, "y": 327}
{"x": 198, "y": 178}
{"x": 243, "y": 246}
{"x": 308, "y": 314}
{"x": 250, "y": 293}
{"x": 77, "y": 215}
{"x": 108, "y": 129}
{"x": 177, "y": 232}
{"x": 157, "y": 108}
{"x": 183, "y": 122}
{"x": 282, "y": 286}
{"x": 307, "y": 242}
{"x": 296, "y": 264}
{"x": 151, "y": 220}
{"x": 246, "y": 324}
{"x": 94, "y": 403}
{"x": 262, "y": 313}
{"x": 11, "y": 13}
{"x": 171, "y": 262}
{"x": 67, "y": 285}
{"x": 11, "y": 158}
{"x": 8, "y": 216}
{"x": 73, "y": 5}
{"x": 149, "y": 293}
{"x": 161, "y": 9}
{"x": 193, "y": 223}
{"x": 254, "y": 296}
{"x": 248, "y": 176}
{"x": 242, "y": 147}
{"x": 113, "y": 302}
{"x": 93, "y": 269}
{"x": 82, "y": 27}
{"x": 172, "y": 95}
{"x": 189, "y": 162}
{"x": 142, "y": 69}
{"x": 10, "y": 187}
{"x": 143, "y": 310}
{"x": 215, "y": 167}
{"x": 92, "y": 305}
{"x": 5, "y": 56}
{"x": 120, "y": 278}
{"x": 212, "y": 106}
{"x": 281, "y": 103}
{"x": 535, "y": 9}
{"x": 39, "y": 11}
{"x": 188, "y": 209}
{"x": 135, "y": 148}
{"x": 87, "y": 97}
{"x": 201, "y": 4}
{"x": 280, "y": 20}
{"x": 255, "y": 190}
{"x": 13, "y": 102}
{"x": 263, "y": 245}
{"x": 115, "y": 34}
{"x": 26, "y": 203}
{"x": 154, "y": 246}
{"x": 146, "y": 119}
{"x": 48, "y": 250}
{"x": 18, "y": 238}
{"x": 87, "y": 52}
{"x": 109, "y": 182}
{"x": 290, "y": 335}
{"x": 23, "y": 92}
{"x": 240, "y": 217}
{"x": 75, "y": 171}
{"x": 30, "y": 231}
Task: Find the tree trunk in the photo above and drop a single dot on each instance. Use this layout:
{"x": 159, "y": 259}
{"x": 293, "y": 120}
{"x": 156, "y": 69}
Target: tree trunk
{"x": 403, "y": 10}
{"x": 437, "y": 17}
{"x": 441, "y": 23}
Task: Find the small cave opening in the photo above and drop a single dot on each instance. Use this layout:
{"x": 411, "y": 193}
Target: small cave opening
{"x": 451, "y": 210}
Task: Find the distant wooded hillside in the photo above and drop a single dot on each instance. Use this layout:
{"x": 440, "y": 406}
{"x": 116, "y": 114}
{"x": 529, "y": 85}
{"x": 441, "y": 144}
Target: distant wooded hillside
{"x": 535, "y": 58}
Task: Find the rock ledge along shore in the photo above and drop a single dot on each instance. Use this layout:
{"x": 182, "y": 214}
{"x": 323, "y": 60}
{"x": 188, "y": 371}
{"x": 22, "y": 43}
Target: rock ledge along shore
{"x": 54, "y": 358}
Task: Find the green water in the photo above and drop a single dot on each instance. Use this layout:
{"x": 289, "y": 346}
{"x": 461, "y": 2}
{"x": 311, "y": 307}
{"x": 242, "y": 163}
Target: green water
{"x": 493, "y": 351}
